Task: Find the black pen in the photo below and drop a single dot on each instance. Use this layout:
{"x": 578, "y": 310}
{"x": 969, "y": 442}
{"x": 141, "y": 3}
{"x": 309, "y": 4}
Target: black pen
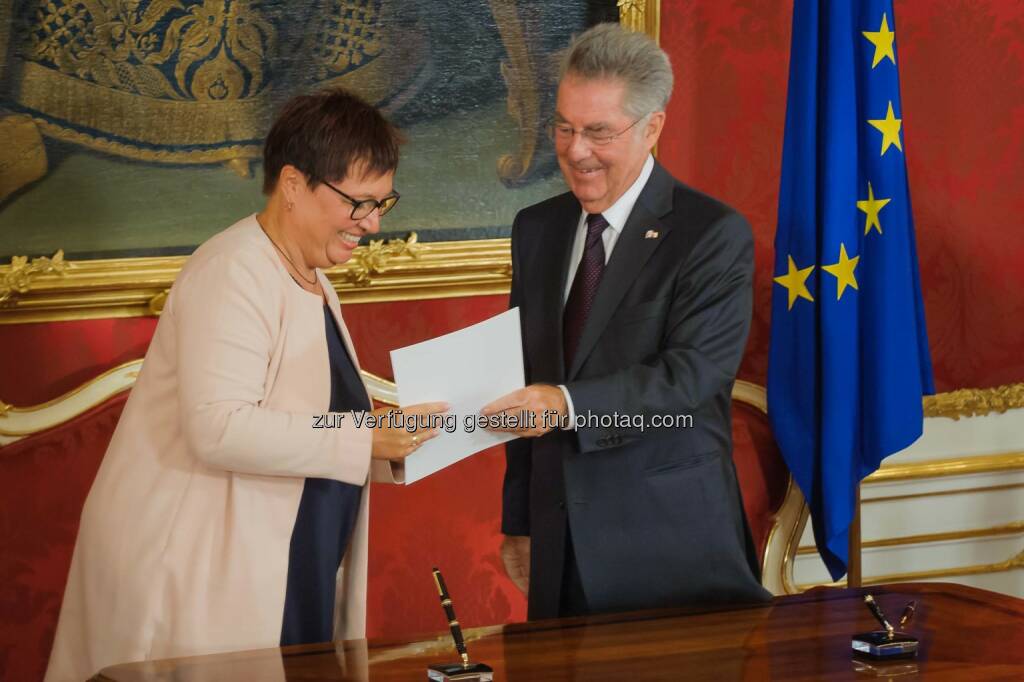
{"x": 879, "y": 616}
{"x": 449, "y": 612}
{"x": 908, "y": 613}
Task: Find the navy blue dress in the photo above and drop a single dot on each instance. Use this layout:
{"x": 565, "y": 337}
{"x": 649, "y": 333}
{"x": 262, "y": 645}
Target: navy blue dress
{"x": 325, "y": 521}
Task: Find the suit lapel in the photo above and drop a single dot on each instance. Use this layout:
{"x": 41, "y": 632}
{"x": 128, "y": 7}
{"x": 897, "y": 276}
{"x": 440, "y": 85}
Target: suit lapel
{"x": 631, "y": 253}
{"x": 555, "y": 253}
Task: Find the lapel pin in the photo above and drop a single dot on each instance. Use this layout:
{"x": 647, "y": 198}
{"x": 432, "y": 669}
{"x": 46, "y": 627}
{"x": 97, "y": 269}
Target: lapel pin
{"x": 651, "y": 234}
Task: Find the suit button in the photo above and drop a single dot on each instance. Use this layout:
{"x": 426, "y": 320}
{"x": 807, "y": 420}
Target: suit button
{"x": 602, "y": 442}
{"x": 561, "y": 504}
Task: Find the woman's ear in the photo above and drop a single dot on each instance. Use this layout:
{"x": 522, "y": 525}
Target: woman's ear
{"x": 292, "y": 182}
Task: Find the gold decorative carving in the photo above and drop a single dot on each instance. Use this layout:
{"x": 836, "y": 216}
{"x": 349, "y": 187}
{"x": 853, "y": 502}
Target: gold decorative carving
{"x": 22, "y": 156}
{"x": 5, "y": 408}
{"x": 374, "y": 259}
{"x": 971, "y": 402}
{"x": 17, "y": 277}
{"x": 156, "y": 304}
{"x": 641, "y": 15}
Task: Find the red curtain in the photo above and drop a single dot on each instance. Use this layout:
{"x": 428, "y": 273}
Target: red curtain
{"x": 962, "y": 76}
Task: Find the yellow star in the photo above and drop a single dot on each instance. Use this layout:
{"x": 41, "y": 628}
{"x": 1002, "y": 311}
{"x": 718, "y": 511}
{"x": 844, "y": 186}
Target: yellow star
{"x": 882, "y": 40}
{"x": 890, "y": 128}
{"x": 795, "y": 282}
{"x": 843, "y": 271}
{"x": 871, "y": 207}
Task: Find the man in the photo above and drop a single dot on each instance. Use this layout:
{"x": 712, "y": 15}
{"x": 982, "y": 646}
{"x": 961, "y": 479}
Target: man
{"x": 635, "y": 297}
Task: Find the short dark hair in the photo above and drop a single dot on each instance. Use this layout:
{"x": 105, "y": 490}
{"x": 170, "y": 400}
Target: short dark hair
{"x": 323, "y": 134}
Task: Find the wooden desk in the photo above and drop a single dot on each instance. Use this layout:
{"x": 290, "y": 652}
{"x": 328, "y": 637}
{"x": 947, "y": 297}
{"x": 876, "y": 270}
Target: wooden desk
{"x": 966, "y": 634}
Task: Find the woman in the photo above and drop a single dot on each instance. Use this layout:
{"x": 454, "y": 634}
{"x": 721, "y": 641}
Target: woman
{"x": 222, "y": 517}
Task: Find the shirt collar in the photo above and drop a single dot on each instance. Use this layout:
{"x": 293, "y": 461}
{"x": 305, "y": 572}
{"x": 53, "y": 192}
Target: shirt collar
{"x": 618, "y": 213}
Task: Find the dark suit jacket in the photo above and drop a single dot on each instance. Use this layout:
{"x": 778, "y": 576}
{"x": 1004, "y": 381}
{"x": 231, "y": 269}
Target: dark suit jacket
{"x": 656, "y": 516}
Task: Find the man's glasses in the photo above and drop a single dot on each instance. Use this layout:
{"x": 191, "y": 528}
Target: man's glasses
{"x": 364, "y": 207}
{"x": 561, "y": 133}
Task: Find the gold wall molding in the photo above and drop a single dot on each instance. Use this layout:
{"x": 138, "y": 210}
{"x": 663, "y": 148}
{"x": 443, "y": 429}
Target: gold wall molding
{"x": 944, "y": 492}
{"x": 1013, "y": 563}
{"x": 1012, "y": 528}
{"x": 54, "y": 289}
{"x": 1010, "y": 564}
{"x": 959, "y": 466}
{"x": 971, "y": 402}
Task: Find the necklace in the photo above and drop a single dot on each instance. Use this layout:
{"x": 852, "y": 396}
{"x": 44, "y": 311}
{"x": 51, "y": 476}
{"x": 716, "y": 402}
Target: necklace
{"x": 312, "y": 282}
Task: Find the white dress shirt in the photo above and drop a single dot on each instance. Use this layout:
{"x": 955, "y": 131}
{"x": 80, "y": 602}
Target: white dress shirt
{"x": 617, "y": 214}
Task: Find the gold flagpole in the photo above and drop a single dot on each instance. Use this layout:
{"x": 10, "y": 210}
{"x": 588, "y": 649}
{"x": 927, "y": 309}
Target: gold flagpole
{"x": 853, "y": 568}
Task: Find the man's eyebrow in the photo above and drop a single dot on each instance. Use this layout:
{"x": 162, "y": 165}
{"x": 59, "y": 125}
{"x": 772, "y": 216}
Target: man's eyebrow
{"x": 558, "y": 118}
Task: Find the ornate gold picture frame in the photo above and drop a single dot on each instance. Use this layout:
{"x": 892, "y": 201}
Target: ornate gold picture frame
{"x": 417, "y": 265}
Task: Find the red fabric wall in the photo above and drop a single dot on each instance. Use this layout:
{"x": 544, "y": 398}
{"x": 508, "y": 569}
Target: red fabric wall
{"x": 962, "y": 74}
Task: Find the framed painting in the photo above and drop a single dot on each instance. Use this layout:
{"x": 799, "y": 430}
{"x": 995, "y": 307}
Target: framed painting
{"x": 133, "y": 133}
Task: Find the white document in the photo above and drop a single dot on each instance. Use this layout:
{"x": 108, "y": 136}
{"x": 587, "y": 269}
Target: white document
{"x": 466, "y": 369}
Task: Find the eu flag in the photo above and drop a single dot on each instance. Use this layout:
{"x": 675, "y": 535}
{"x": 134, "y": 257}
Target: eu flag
{"x": 848, "y": 363}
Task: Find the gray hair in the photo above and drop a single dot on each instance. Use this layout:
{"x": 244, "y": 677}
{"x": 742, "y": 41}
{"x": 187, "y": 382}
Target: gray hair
{"x": 611, "y": 51}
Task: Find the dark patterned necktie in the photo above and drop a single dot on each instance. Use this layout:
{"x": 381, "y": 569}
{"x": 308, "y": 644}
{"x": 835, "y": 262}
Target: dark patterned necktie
{"x": 584, "y": 286}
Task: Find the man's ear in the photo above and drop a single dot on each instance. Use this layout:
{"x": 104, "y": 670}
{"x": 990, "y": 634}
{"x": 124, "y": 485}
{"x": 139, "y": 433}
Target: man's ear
{"x": 653, "y": 128}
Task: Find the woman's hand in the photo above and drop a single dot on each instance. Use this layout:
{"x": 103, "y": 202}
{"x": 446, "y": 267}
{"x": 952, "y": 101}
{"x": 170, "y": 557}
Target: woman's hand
{"x": 393, "y": 435}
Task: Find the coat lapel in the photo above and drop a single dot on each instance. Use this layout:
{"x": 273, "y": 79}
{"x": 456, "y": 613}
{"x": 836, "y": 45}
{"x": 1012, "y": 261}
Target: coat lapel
{"x": 555, "y": 253}
{"x": 632, "y": 250}
{"x": 335, "y": 307}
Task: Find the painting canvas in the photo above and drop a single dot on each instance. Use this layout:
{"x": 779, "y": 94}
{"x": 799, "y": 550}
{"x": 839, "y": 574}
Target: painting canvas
{"x": 134, "y": 127}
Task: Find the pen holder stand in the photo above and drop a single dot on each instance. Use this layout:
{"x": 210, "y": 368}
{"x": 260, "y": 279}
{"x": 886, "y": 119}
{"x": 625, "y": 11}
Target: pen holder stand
{"x": 878, "y": 645}
{"x": 463, "y": 673}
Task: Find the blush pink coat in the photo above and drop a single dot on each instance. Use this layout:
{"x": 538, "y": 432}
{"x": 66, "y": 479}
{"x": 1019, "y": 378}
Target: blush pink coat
{"x": 184, "y": 537}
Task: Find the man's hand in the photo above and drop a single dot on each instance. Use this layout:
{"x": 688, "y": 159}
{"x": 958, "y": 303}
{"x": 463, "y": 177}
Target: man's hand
{"x": 528, "y": 412}
{"x": 515, "y": 552}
